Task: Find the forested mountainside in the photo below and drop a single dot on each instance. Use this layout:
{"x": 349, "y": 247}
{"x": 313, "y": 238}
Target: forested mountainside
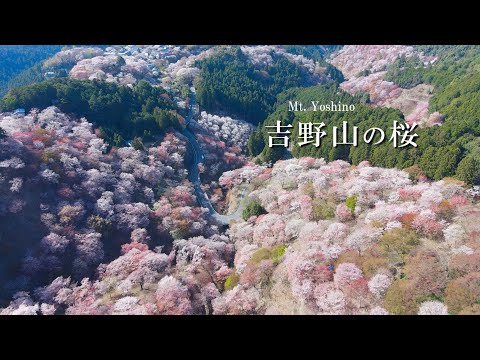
{"x": 331, "y": 238}
{"x": 449, "y": 149}
{"x": 245, "y": 81}
{"x": 68, "y": 204}
{"x": 100, "y": 213}
{"x": 119, "y": 112}
{"x": 14, "y": 59}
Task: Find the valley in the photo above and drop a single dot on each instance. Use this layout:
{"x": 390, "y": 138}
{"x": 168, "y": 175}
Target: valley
{"x": 137, "y": 179}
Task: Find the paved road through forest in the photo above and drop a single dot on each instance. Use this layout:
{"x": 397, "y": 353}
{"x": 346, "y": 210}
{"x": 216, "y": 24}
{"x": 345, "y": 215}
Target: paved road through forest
{"x": 194, "y": 174}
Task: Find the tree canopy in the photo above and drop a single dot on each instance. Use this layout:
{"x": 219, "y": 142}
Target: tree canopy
{"x": 230, "y": 83}
{"x": 14, "y": 59}
{"x": 120, "y": 112}
{"x": 440, "y": 149}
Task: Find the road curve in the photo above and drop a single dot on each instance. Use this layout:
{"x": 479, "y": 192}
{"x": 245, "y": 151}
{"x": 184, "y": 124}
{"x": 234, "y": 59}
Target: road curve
{"x": 194, "y": 174}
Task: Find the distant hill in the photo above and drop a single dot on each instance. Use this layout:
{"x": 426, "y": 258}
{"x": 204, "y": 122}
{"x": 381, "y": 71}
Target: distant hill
{"x": 16, "y": 58}
{"x": 245, "y": 81}
{"x": 22, "y": 65}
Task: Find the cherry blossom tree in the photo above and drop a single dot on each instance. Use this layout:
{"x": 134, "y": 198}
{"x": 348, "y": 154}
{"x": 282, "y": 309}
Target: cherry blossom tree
{"x": 47, "y": 294}
{"x": 54, "y": 243}
{"x": 306, "y": 270}
{"x": 172, "y": 297}
{"x": 89, "y": 252}
{"x": 329, "y": 299}
{"x": 129, "y": 305}
{"x": 379, "y": 284}
{"x": 454, "y": 234}
{"x": 16, "y": 184}
{"x": 132, "y": 216}
{"x": 379, "y": 311}
{"x": 22, "y": 304}
{"x": 433, "y": 308}
{"x": 238, "y": 301}
{"x": 140, "y": 235}
{"x": 346, "y": 273}
{"x": 269, "y": 230}
{"x": 343, "y": 213}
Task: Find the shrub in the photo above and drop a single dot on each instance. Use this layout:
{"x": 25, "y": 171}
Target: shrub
{"x": 277, "y": 253}
{"x": 231, "y": 281}
{"x": 457, "y": 297}
{"x": 426, "y": 273}
{"x": 371, "y": 264}
{"x": 400, "y": 299}
{"x": 462, "y": 292}
{"x": 351, "y": 202}
{"x": 322, "y": 210}
{"x": 415, "y": 173}
{"x": 308, "y": 189}
{"x": 350, "y": 256}
{"x": 398, "y": 242}
{"x": 471, "y": 310}
{"x": 137, "y": 143}
{"x": 253, "y": 208}
{"x": 289, "y": 184}
{"x": 99, "y": 224}
{"x": 446, "y": 210}
{"x": 257, "y": 183}
{"x": 260, "y": 254}
{"x": 181, "y": 232}
{"x": 274, "y": 254}
{"x": 49, "y": 156}
{"x": 370, "y": 261}
{"x": 70, "y": 214}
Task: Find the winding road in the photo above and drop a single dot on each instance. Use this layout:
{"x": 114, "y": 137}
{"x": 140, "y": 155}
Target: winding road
{"x": 194, "y": 174}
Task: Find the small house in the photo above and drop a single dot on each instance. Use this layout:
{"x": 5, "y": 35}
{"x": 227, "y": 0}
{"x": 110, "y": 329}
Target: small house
{"x": 19, "y": 112}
